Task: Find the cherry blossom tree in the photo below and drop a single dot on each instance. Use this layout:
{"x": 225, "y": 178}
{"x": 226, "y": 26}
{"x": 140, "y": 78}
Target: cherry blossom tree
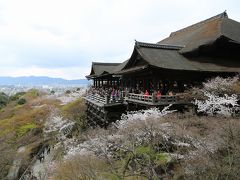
{"x": 219, "y": 97}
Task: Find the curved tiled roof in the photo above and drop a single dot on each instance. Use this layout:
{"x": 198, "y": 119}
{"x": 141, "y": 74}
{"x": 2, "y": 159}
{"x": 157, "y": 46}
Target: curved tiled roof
{"x": 204, "y": 32}
{"x": 166, "y": 57}
{"x": 170, "y": 52}
{"x": 158, "y": 46}
{"x": 172, "y": 59}
{"x": 99, "y": 68}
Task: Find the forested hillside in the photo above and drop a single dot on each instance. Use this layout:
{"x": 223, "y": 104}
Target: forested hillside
{"x": 46, "y": 135}
{"x": 23, "y": 124}
{"x": 163, "y": 144}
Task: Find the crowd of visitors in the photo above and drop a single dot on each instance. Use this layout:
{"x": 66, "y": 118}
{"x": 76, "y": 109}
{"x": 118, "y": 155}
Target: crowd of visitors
{"x": 116, "y": 94}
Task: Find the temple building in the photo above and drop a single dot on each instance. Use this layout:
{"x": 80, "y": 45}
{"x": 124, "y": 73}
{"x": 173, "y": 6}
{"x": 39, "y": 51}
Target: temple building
{"x": 102, "y": 74}
{"x": 186, "y": 58}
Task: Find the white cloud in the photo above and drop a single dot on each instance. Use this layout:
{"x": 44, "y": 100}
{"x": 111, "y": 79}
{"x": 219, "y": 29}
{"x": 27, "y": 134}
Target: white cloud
{"x": 66, "y": 33}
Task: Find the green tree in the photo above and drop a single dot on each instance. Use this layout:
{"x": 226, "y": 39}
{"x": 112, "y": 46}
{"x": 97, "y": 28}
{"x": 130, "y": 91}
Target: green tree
{"x": 67, "y": 92}
{"x": 3, "y": 99}
{"x": 21, "y": 101}
{"x": 76, "y": 111}
{"x": 16, "y": 96}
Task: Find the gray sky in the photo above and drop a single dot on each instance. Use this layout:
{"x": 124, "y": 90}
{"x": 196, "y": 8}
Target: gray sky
{"x": 60, "y": 38}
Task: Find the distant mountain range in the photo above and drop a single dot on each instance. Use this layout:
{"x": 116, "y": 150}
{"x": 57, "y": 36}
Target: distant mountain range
{"x": 39, "y": 80}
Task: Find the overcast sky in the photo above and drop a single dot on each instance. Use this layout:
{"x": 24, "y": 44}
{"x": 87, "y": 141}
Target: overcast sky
{"x": 60, "y": 38}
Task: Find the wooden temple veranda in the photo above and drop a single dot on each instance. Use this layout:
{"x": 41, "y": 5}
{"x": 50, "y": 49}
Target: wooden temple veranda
{"x": 158, "y": 74}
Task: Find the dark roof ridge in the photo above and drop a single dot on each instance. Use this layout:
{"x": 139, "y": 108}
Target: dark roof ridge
{"x": 158, "y": 46}
{"x": 219, "y": 16}
{"x": 105, "y": 63}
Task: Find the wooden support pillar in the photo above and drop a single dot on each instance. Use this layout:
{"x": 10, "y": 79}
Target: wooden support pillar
{"x": 106, "y": 116}
{"x": 102, "y": 82}
{"x": 181, "y": 86}
{"x": 122, "y": 82}
{"x": 153, "y": 98}
{"x": 154, "y": 84}
{"x": 158, "y": 84}
{"x": 121, "y": 95}
{"x": 132, "y": 83}
{"x": 98, "y": 82}
{"x": 144, "y": 84}
{"x": 118, "y": 83}
{"x": 106, "y": 99}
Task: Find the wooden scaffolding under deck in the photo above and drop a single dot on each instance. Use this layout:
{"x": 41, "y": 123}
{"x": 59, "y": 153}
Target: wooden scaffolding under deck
{"x": 102, "y": 110}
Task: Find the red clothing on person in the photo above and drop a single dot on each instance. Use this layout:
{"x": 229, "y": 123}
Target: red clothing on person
{"x": 146, "y": 93}
{"x": 158, "y": 95}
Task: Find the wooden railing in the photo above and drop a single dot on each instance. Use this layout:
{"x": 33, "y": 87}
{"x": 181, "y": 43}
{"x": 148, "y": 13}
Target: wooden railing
{"x": 104, "y": 99}
{"x": 164, "y": 99}
{"x": 137, "y": 98}
{"x": 96, "y": 98}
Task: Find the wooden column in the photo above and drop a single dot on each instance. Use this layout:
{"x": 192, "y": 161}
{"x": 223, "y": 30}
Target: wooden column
{"x": 132, "y": 83}
{"x": 154, "y": 84}
{"x": 98, "y": 82}
{"x": 118, "y": 84}
{"x": 144, "y": 84}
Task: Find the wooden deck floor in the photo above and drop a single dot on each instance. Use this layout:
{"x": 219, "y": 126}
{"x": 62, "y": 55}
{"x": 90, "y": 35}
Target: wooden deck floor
{"x": 102, "y": 110}
{"x": 136, "y": 99}
{"x": 103, "y": 101}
